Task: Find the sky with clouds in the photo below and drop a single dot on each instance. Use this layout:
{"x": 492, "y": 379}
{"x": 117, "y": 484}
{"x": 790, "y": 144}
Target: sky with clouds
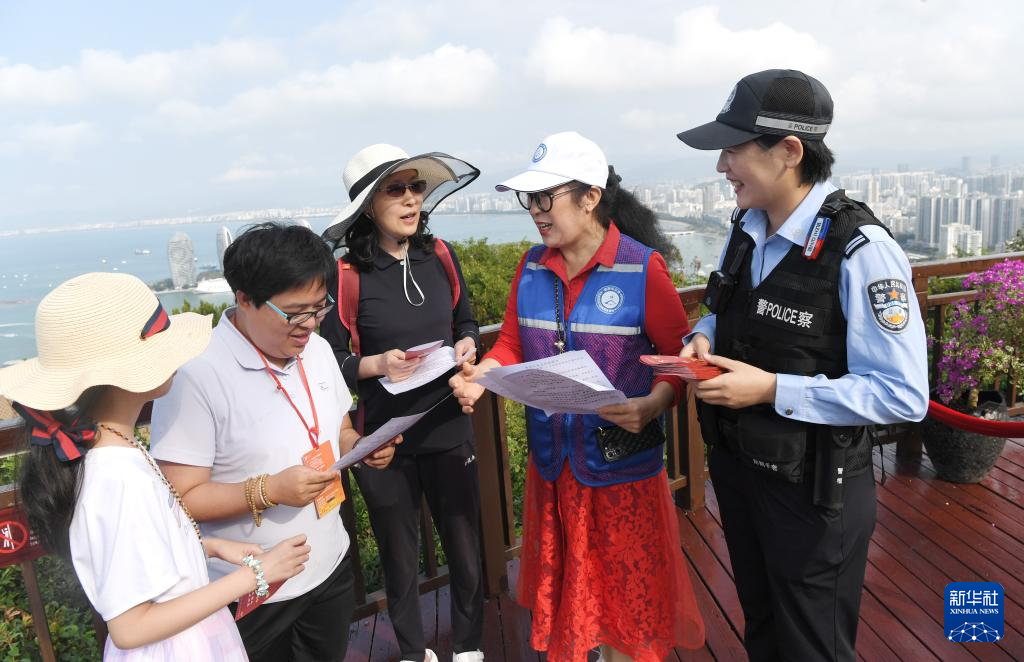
{"x": 112, "y": 111}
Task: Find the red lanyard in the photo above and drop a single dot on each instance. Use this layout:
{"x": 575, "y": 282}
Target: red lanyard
{"x": 314, "y": 431}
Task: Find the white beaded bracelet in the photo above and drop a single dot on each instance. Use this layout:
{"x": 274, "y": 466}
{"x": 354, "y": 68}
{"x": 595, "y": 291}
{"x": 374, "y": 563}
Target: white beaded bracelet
{"x": 254, "y": 564}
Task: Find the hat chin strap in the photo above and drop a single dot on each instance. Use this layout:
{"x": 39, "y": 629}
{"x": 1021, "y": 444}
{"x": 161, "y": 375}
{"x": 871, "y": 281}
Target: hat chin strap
{"x": 403, "y": 242}
{"x": 407, "y": 276}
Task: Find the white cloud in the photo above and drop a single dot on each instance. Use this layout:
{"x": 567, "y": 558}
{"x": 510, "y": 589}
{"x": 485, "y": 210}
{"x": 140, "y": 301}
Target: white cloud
{"x": 59, "y": 142}
{"x": 24, "y": 84}
{"x": 448, "y": 77}
{"x": 641, "y": 119}
{"x": 362, "y": 28}
{"x": 255, "y": 167}
{"x": 99, "y": 75}
{"x": 701, "y": 51}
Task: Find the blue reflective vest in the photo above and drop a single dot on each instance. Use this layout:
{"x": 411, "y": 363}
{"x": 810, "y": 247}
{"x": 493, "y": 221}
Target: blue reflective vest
{"x": 607, "y": 322}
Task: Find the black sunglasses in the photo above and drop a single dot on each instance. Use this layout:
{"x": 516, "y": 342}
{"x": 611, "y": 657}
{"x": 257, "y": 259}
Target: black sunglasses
{"x": 397, "y": 189}
{"x": 543, "y": 199}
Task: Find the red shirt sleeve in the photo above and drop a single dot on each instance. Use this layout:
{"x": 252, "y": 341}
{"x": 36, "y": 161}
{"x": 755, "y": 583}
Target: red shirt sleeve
{"x": 508, "y": 350}
{"x": 666, "y": 322}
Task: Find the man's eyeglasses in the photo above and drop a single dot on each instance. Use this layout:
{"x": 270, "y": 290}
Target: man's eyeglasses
{"x": 543, "y": 199}
{"x": 296, "y": 319}
{"x": 397, "y": 189}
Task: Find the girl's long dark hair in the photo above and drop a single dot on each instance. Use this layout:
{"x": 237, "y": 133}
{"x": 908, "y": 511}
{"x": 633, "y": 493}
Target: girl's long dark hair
{"x": 362, "y": 245}
{"x": 630, "y": 216}
{"x": 48, "y": 487}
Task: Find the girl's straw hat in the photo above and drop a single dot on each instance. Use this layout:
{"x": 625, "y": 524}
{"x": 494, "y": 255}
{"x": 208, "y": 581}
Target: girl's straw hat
{"x": 102, "y": 329}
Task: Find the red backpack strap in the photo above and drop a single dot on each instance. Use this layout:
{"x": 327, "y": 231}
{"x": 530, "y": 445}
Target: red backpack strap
{"x": 445, "y": 256}
{"x": 348, "y": 300}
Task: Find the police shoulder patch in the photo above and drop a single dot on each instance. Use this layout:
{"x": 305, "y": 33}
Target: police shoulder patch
{"x": 889, "y": 300}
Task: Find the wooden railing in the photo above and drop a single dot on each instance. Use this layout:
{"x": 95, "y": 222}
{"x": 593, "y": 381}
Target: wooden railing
{"x": 684, "y": 462}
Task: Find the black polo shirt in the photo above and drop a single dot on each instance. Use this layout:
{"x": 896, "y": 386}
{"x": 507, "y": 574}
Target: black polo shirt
{"x": 388, "y": 321}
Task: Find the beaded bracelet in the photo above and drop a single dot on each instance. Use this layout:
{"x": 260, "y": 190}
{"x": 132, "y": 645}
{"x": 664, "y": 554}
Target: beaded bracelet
{"x": 254, "y": 564}
{"x": 250, "y": 499}
{"x": 264, "y": 495}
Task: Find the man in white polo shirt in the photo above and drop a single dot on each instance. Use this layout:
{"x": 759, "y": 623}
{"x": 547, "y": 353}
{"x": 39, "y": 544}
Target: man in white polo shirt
{"x": 248, "y": 427}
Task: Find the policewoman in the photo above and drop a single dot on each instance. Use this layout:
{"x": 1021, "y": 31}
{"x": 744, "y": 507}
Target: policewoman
{"x": 814, "y": 321}
{"x": 601, "y": 562}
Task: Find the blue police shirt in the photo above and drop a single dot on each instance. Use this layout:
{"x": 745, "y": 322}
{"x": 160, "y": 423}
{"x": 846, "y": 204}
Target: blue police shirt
{"x": 888, "y": 379}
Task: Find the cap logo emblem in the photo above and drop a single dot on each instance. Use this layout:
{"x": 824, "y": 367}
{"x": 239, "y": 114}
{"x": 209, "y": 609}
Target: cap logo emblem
{"x": 728, "y": 102}
{"x": 540, "y": 152}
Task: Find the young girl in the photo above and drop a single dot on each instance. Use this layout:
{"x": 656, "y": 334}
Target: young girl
{"x": 92, "y": 491}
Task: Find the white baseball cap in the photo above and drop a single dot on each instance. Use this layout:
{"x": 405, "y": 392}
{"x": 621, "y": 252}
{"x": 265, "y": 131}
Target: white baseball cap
{"x": 560, "y": 158}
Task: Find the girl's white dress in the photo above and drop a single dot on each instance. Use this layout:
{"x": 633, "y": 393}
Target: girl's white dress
{"x": 131, "y": 543}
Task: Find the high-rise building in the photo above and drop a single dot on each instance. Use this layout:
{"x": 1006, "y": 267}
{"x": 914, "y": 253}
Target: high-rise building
{"x": 709, "y": 196}
{"x": 958, "y": 239}
{"x": 928, "y": 210}
{"x": 181, "y": 259}
{"x": 223, "y": 241}
{"x": 1007, "y": 217}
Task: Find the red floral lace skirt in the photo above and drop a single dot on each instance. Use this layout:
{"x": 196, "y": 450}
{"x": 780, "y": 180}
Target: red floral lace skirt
{"x": 603, "y": 565}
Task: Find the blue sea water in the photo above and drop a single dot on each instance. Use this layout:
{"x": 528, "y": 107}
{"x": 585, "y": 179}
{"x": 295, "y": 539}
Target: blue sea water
{"x": 32, "y": 265}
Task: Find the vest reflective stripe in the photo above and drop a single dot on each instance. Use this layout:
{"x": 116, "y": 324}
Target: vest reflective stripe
{"x": 622, "y": 268}
{"x": 538, "y": 324}
{"x": 604, "y": 328}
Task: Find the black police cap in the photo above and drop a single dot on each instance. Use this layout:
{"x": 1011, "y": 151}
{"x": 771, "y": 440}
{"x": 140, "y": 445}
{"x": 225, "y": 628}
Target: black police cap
{"x": 776, "y": 102}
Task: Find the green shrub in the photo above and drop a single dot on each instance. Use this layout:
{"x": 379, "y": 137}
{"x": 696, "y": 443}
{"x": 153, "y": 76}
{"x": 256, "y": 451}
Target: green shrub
{"x": 67, "y": 613}
{"x": 489, "y": 270}
{"x": 204, "y": 308}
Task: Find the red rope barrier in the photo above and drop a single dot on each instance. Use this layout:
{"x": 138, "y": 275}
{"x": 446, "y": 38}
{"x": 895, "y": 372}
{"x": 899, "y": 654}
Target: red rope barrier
{"x": 970, "y": 423}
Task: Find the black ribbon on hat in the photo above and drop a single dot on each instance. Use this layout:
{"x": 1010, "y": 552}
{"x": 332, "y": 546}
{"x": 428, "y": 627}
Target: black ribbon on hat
{"x": 68, "y": 440}
{"x": 369, "y": 178}
{"x": 158, "y": 321}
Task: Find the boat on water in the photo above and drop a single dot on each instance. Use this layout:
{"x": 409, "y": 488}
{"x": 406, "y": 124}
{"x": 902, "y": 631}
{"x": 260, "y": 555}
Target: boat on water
{"x": 142, "y": 251}
{"x": 212, "y": 286}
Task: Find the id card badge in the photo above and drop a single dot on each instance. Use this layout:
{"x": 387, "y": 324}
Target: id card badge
{"x": 249, "y": 601}
{"x": 321, "y": 459}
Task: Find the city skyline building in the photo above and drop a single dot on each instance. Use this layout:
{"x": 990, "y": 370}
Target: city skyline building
{"x": 224, "y": 240}
{"x": 182, "y": 261}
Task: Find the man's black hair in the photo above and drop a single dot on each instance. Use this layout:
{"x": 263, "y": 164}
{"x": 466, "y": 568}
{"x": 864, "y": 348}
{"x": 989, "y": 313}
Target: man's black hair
{"x": 818, "y": 160}
{"x": 271, "y": 258}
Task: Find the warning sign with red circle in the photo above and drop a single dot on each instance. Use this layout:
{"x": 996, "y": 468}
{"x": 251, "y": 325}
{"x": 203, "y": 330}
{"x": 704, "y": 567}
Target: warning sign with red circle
{"x": 17, "y": 542}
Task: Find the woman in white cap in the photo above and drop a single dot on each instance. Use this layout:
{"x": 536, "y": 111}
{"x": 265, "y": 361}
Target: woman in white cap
{"x": 601, "y": 562}
{"x": 92, "y": 491}
{"x": 398, "y": 288}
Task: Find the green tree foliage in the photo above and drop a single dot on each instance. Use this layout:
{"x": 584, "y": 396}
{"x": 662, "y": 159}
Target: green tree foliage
{"x": 1015, "y": 244}
{"x": 489, "y": 270}
{"x": 204, "y": 308}
{"x": 67, "y": 614}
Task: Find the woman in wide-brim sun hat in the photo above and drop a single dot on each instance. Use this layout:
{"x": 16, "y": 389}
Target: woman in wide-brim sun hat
{"x": 91, "y": 490}
{"x": 442, "y": 173}
{"x": 400, "y": 287}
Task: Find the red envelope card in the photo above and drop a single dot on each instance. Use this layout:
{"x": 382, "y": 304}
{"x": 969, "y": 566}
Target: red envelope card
{"x": 422, "y": 350}
{"x": 249, "y": 601}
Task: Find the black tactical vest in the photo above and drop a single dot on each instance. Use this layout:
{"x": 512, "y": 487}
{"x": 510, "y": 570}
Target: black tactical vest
{"x": 792, "y": 323}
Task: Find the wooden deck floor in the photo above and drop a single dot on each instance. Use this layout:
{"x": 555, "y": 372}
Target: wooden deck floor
{"x": 929, "y": 533}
